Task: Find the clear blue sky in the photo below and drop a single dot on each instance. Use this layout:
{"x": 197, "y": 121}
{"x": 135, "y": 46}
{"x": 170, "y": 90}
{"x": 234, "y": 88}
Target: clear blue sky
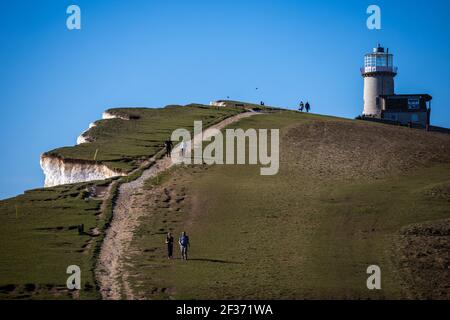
{"x": 53, "y": 81}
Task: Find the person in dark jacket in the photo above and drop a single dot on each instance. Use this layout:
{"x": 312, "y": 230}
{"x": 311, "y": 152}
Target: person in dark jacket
{"x": 169, "y": 243}
{"x": 169, "y": 145}
{"x": 307, "y": 107}
{"x": 301, "y": 106}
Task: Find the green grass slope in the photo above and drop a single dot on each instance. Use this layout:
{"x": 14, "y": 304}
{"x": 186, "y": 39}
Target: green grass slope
{"x": 344, "y": 192}
{"x": 124, "y": 144}
{"x": 38, "y": 230}
{"x": 39, "y": 239}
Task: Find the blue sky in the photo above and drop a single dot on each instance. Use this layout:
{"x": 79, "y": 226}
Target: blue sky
{"x": 54, "y": 82}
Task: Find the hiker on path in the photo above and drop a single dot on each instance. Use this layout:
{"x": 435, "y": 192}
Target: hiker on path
{"x": 184, "y": 244}
{"x": 307, "y": 107}
{"x": 301, "y": 106}
{"x": 169, "y": 243}
{"x": 183, "y": 148}
{"x": 169, "y": 145}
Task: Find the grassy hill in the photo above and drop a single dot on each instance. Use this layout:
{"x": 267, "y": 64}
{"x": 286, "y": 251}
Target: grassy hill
{"x": 349, "y": 194}
{"x": 38, "y": 230}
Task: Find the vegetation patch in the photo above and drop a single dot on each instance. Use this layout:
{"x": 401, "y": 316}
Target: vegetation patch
{"x": 40, "y": 236}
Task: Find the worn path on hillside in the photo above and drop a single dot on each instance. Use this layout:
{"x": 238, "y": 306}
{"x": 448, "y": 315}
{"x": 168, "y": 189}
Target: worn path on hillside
{"x": 110, "y": 273}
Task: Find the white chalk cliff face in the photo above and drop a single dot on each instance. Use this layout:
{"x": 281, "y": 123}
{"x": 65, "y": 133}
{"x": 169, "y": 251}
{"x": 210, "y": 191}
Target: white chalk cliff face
{"x": 64, "y": 171}
{"x": 84, "y": 137}
{"x": 59, "y": 171}
{"x": 106, "y": 115}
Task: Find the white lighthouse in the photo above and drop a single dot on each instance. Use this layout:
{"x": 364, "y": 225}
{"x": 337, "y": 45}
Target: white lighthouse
{"x": 378, "y": 73}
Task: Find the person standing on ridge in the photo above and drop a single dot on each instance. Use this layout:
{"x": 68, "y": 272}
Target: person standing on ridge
{"x": 301, "y": 106}
{"x": 307, "y": 107}
{"x": 184, "y": 244}
{"x": 169, "y": 145}
{"x": 169, "y": 243}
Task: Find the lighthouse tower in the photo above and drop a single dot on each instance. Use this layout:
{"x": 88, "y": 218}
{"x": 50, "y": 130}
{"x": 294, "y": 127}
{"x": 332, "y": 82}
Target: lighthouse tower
{"x": 378, "y": 73}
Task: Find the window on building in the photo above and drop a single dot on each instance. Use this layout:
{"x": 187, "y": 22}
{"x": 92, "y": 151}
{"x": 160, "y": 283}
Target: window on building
{"x": 413, "y": 103}
{"x": 378, "y": 60}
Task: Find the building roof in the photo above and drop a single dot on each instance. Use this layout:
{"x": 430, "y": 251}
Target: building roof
{"x": 426, "y": 96}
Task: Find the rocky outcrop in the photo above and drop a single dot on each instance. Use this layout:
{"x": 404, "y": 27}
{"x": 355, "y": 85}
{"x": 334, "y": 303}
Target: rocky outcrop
{"x": 59, "y": 171}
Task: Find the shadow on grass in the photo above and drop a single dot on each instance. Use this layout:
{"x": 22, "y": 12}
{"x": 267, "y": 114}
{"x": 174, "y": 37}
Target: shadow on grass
{"x": 215, "y": 261}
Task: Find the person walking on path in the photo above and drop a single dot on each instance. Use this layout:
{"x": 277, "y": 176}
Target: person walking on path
{"x": 169, "y": 145}
{"x": 301, "y": 106}
{"x": 307, "y": 107}
{"x": 183, "y": 148}
{"x": 184, "y": 244}
{"x": 169, "y": 243}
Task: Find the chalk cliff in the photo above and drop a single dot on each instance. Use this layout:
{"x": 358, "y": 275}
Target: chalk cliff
{"x": 59, "y": 171}
{"x": 84, "y": 137}
{"x": 63, "y": 171}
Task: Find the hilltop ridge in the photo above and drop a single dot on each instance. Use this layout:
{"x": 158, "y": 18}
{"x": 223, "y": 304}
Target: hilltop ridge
{"x": 122, "y": 141}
